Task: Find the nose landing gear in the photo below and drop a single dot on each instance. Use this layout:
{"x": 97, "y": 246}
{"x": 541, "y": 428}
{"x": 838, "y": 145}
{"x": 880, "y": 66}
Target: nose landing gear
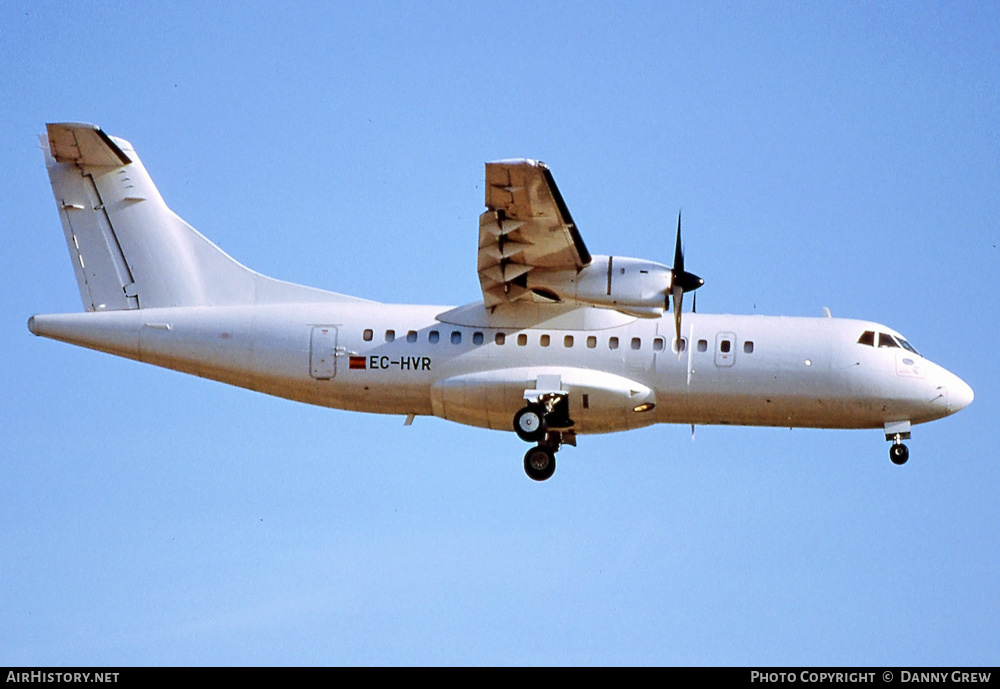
{"x": 896, "y": 432}
{"x": 899, "y": 453}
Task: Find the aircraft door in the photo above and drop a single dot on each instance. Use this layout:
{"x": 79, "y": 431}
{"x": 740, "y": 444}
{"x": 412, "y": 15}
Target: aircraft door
{"x": 323, "y": 352}
{"x": 725, "y": 349}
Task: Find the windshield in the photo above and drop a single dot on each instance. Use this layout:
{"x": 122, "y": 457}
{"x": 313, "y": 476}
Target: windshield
{"x": 886, "y": 340}
{"x": 907, "y": 345}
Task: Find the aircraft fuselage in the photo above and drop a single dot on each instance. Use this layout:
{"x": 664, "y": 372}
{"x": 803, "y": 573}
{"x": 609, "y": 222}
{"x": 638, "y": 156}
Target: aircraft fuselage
{"x": 398, "y": 359}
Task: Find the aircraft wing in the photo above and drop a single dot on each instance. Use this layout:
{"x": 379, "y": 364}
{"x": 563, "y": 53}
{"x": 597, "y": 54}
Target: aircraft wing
{"x": 526, "y": 226}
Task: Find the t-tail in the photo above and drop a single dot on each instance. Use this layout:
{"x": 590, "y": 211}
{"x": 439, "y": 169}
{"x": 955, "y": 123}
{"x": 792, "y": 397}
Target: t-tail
{"x": 143, "y": 273}
{"x": 128, "y": 249}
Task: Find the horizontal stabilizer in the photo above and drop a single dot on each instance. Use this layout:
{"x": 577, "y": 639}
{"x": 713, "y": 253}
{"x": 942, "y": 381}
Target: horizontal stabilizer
{"x": 84, "y": 144}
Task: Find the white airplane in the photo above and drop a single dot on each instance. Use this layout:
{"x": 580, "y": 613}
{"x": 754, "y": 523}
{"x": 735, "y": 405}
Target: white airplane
{"x": 564, "y": 343}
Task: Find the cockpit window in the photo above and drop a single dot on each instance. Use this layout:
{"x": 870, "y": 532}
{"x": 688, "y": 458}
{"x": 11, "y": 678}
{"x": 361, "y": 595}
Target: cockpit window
{"x": 907, "y": 346}
{"x": 885, "y": 340}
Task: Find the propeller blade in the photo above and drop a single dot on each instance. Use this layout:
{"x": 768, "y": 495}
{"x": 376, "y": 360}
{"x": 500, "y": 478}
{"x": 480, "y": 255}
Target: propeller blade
{"x": 678, "y": 294}
{"x": 681, "y": 282}
{"x": 688, "y": 282}
{"x": 678, "y": 251}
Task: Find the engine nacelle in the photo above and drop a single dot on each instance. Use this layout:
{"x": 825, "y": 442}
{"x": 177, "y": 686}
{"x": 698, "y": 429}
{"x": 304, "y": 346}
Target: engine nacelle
{"x": 630, "y": 285}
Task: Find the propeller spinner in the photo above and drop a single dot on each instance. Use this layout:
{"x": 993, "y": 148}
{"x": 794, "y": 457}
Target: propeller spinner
{"x": 681, "y": 282}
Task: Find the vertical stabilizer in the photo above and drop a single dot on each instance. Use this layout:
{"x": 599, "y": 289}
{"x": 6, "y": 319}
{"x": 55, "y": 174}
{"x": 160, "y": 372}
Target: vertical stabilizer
{"x": 103, "y": 277}
{"x": 129, "y": 250}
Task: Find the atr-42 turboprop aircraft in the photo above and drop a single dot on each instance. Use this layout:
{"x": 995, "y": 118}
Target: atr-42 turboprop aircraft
{"x": 564, "y": 343}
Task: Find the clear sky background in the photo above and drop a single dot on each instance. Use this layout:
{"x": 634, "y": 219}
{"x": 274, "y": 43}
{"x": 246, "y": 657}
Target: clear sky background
{"x": 828, "y": 154}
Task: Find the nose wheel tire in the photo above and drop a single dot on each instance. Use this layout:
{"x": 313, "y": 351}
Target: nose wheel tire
{"x": 529, "y": 423}
{"x": 539, "y": 463}
{"x": 899, "y": 453}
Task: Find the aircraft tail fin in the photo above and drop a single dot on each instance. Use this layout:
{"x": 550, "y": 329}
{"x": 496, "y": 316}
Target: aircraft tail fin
{"x": 128, "y": 249}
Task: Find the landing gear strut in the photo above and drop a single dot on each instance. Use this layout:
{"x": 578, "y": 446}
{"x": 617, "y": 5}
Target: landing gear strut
{"x": 545, "y": 421}
{"x": 896, "y": 432}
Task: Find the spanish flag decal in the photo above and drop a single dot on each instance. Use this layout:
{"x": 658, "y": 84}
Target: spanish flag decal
{"x": 357, "y": 362}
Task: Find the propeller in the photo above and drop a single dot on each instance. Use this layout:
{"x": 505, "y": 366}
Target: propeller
{"x": 681, "y": 282}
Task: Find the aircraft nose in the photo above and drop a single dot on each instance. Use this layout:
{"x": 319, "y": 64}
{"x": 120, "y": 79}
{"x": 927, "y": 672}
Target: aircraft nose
{"x": 959, "y": 394}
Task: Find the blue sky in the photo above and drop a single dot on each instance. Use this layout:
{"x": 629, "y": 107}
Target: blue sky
{"x": 833, "y": 154}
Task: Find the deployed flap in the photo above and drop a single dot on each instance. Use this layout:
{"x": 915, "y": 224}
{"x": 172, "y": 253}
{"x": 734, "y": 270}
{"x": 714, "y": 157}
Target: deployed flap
{"x": 526, "y": 226}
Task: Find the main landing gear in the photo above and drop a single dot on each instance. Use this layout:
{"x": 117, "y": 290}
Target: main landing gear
{"x": 546, "y": 422}
{"x": 896, "y": 432}
{"x": 540, "y": 462}
{"x": 529, "y": 423}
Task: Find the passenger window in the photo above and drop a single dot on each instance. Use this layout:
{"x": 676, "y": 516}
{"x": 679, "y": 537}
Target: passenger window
{"x": 702, "y": 345}
{"x": 613, "y": 343}
{"x": 456, "y": 337}
{"x": 368, "y": 335}
{"x": 726, "y": 346}
{"x": 411, "y": 336}
{"x": 636, "y": 343}
{"x": 591, "y": 342}
{"x": 433, "y": 336}
{"x": 500, "y": 338}
{"x": 390, "y": 335}
{"x": 682, "y": 344}
{"x": 886, "y": 341}
{"x": 544, "y": 340}
{"x": 568, "y": 341}
{"x": 477, "y": 338}
{"x": 658, "y": 344}
{"x": 748, "y": 347}
{"x": 522, "y": 340}
{"x": 867, "y": 338}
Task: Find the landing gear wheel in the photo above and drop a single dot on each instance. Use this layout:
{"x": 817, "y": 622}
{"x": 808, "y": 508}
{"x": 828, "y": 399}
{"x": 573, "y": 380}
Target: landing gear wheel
{"x": 539, "y": 463}
{"x": 529, "y": 423}
{"x": 899, "y": 453}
